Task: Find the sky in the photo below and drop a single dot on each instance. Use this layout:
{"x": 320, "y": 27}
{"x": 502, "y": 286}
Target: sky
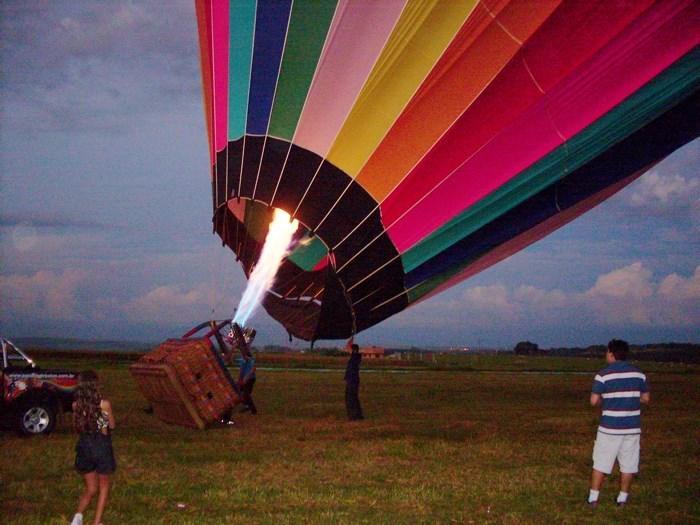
{"x": 105, "y": 221}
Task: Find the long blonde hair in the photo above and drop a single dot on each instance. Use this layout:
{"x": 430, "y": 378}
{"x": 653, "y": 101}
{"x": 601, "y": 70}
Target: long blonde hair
{"x": 87, "y": 403}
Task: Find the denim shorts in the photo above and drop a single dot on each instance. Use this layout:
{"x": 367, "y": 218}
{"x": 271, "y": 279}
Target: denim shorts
{"x": 93, "y": 453}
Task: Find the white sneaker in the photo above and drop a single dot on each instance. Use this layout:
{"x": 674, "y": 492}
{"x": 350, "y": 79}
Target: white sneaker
{"x": 77, "y": 519}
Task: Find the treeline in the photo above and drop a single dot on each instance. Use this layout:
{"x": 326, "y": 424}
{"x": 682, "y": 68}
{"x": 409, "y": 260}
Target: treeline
{"x": 660, "y": 352}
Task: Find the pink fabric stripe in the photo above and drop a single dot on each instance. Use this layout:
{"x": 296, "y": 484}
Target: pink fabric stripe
{"x": 661, "y": 35}
{"x": 531, "y": 236}
{"x": 220, "y": 87}
{"x": 348, "y": 57}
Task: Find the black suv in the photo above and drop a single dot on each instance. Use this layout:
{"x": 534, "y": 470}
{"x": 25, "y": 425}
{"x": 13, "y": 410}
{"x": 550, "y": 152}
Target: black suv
{"x": 31, "y": 396}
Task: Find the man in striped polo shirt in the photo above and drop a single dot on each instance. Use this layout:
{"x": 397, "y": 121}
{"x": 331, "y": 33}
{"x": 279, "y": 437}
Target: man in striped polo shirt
{"x": 620, "y": 388}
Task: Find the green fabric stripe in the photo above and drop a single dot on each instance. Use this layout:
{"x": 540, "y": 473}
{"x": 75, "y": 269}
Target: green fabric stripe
{"x": 645, "y": 105}
{"x": 307, "y": 256}
{"x": 241, "y": 28}
{"x": 257, "y": 220}
{"x": 307, "y": 32}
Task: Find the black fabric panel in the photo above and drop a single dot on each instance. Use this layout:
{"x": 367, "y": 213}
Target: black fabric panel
{"x": 368, "y": 312}
{"x": 300, "y": 169}
{"x": 271, "y": 168}
{"x": 655, "y": 141}
{"x": 234, "y": 235}
{"x": 336, "y": 320}
{"x": 324, "y": 191}
{"x": 251, "y": 162}
{"x": 299, "y": 318}
{"x": 379, "y": 287}
{"x": 375, "y": 254}
{"x": 218, "y": 190}
{"x": 291, "y": 277}
{"x": 352, "y": 208}
{"x": 233, "y": 165}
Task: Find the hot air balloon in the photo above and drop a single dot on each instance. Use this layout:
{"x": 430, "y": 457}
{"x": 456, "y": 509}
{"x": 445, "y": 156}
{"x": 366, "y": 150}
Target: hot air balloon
{"x": 419, "y": 142}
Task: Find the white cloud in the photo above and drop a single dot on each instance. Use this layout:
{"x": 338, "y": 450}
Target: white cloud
{"x": 172, "y": 304}
{"x": 622, "y": 296}
{"x": 656, "y": 188}
{"x": 679, "y": 299}
{"x": 44, "y": 294}
{"x": 625, "y": 296}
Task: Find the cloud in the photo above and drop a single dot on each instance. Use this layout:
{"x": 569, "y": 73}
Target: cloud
{"x": 663, "y": 190}
{"x": 45, "y": 220}
{"x": 43, "y": 295}
{"x": 622, "y": 296}
{"x": 86, "y": 65}
{"x": 627, "y": 296}
{"x": 680, "y": 299}
{"x": 171, "y": 304}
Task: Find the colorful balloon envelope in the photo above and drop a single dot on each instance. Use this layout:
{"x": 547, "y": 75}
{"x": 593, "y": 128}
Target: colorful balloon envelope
{"x": 420, "y": 142}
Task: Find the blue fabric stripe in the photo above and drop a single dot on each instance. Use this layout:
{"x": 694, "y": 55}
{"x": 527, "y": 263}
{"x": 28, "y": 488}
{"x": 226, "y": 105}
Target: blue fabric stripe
{"x": 270, "y": 34}
{"x": 242, "y": 26}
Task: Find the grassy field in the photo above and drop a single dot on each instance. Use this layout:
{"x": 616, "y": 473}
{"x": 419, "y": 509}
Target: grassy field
{"x": 438, "y": 446}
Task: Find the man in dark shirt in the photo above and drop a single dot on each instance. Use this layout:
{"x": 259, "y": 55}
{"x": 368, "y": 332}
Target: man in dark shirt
{"x": 352, "y": 384}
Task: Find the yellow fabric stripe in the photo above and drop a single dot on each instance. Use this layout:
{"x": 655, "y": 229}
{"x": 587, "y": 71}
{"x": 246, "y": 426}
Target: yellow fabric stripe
{"x": 422, "y": 33}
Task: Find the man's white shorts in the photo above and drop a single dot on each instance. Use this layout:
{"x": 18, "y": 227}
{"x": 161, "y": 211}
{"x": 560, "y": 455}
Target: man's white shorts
{"x": 624, "y": 448}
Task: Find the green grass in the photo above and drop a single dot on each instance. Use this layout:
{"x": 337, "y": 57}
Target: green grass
{"x": 437, "y": 447}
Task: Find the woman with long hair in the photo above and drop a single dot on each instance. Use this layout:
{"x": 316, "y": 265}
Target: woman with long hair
{"x": 94, "y": 458}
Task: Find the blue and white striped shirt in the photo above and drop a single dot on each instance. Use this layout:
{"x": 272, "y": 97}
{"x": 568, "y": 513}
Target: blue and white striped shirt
{"x": 620, "y": 385}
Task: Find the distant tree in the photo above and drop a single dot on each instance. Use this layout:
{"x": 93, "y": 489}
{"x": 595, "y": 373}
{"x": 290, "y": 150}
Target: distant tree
{"x": 526, "y": 348}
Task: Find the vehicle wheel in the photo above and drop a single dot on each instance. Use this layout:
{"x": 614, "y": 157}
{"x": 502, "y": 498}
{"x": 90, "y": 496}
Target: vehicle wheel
{"x": 34, "y": 418}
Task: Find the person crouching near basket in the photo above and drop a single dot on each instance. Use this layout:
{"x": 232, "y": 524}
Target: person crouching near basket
{"x": 94, "y": 458}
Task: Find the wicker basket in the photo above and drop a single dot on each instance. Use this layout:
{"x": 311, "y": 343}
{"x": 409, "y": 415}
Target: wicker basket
{"x": 186, "y": 382}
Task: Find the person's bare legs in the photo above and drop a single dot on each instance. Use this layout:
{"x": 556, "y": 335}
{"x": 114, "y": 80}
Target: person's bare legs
{"x": 625, "y": 482}
{"x": 89, "y": 492}
{"x": 102, "y": 498}
{"x": 597, "y": 479}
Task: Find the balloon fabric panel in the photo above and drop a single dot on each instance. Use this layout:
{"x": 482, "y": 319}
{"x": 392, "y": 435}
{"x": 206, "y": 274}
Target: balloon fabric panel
{"x": 420, "y": 37}
{"x": 557, "y": 205}
{"x": 652, "y": 43}
{"x": 270, "y": 33}
{"x": 345, "y": 64}
{"x": 456, "y": 86}
{"x": 241, "y": 29}
{"x": 655, "y": 98}
{"x": 308, "y": 28}
{"x": 419, "y": 142}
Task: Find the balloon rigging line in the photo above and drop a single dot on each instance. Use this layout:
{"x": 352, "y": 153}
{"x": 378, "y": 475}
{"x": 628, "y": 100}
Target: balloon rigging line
{"x": 505, "y": 29}
{"x": 410, "y": 208}
{"x": 420, "y": 159}
{"x": 213, "y": 108}
{"x": 349, "y": 110}
{"x": 319, "y": 61}
{"x": 408, "y": 172}
{"x": 274, "y": 96}
{"x": 247, "y": 102}
{"x": 543, "y": 100}
{"x": 277, "y": 242}
{"x": 532, "y": 76}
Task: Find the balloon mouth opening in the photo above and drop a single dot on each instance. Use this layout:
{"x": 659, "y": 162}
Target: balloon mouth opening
{"x": 308, "y": 250}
